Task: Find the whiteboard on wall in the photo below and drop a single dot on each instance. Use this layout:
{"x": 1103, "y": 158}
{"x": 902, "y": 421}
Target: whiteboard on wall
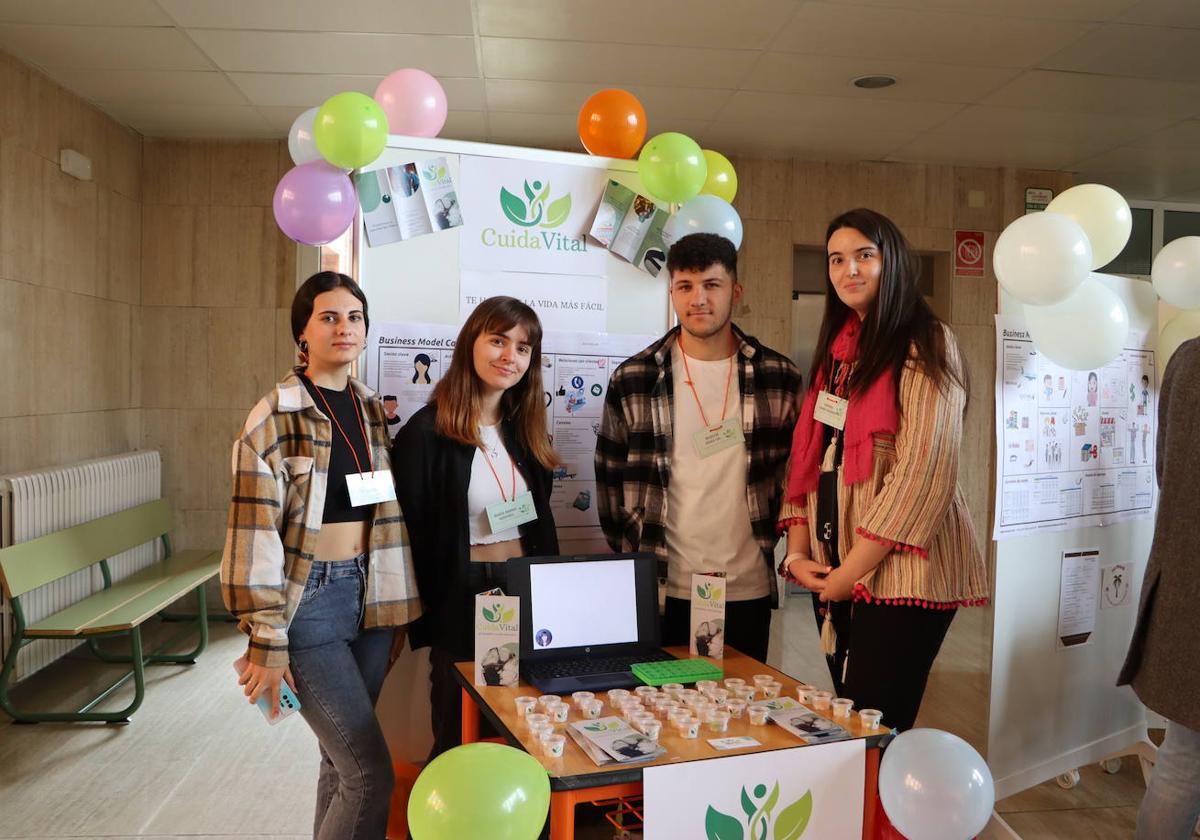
{"x": 417, "y": 281}
{"x": 1055, "y": 710}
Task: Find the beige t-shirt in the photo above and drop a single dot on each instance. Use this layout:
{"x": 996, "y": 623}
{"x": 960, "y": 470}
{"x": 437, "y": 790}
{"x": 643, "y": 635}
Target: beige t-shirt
{"x": 708, "y": 517}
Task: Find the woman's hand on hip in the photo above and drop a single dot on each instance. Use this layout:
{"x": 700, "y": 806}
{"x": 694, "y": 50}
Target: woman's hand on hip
{"x": 259, "y": 680}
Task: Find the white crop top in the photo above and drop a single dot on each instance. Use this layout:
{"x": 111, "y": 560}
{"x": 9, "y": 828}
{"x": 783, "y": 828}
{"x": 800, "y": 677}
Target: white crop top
{"x": 484, "y": 489}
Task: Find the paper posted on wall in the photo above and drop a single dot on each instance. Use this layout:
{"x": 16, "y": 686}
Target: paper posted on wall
{"x": 631, "y": 226}
{"x": 407, "y": 200}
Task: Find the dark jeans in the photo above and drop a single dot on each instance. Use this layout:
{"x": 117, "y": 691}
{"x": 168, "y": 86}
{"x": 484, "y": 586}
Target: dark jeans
{"x": 339, "y": 670}
{"x": 890, "y": 651}
{"x": 747, "y": 625}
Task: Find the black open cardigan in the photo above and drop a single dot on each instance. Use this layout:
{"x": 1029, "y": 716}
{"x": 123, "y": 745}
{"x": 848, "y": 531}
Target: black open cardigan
{"x": 432, "y": 475}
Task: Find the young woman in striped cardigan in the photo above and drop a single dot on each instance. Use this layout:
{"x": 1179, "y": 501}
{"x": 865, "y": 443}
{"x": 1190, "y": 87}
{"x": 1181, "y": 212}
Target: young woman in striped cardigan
{"x": 877, "y": 527}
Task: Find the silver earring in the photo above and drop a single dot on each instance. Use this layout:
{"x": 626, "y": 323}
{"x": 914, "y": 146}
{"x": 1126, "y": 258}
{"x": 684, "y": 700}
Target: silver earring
{"x": 303, "y": 345}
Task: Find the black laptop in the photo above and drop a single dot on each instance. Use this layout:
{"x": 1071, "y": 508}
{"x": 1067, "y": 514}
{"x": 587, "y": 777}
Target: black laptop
{"x": 586, "y": 619}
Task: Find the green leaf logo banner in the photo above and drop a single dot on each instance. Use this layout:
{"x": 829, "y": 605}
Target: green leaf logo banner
{"x": 760, "y": 822}
{"x": 532, "y": 210}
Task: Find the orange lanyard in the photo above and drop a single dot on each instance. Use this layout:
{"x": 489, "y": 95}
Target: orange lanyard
{"x": 487, "y": 459}
{"x": 362, "y": 427}
{"x": 696, "y": 394}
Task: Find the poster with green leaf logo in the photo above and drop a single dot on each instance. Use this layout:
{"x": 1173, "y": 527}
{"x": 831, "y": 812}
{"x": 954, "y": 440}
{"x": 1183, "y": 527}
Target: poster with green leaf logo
{"x": 497, "y": 639}
{"x": 809, "y": 793}
{"x": 708, "y": 616}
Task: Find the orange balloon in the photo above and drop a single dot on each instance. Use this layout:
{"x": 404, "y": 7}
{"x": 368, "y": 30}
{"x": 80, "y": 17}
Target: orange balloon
{"x": 612, "y": 123}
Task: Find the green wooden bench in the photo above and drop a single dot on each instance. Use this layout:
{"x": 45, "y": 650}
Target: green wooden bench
{"x": 119, "y": 608}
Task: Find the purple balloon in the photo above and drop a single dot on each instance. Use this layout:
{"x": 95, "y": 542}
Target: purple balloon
{"x": 314, "y": 203}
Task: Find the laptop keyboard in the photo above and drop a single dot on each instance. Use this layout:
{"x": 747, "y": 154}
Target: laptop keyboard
{"x": 594, "y": 665}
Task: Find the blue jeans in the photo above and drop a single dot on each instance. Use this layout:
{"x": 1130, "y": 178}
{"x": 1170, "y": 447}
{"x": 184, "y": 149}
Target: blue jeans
{"x": 1172, "y": 803}
{"x": 339, "y": 668}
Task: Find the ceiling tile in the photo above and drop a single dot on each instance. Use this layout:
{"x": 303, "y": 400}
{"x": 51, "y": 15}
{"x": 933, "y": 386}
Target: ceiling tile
{"x": 193, "y": 120}
{"x": 306, "y": 90}
{"x": 1044, "y": 9}
{"x": 179, "y": 87}
{"x": 102, "y": 47}
{"x": 1088, "y": 133}
{"x": 1144, "y": 173}
{"x": 661, "y": 103}
{"x": 882, "y": 34}
{"x": 1164, "y": 13}
{"x": 613, "y": 64}
{"x": 84, "y": 12}
{"x": 770, "y": 112}
{"x": 446, "y": 17}
{"x": 333, "y": 52}
{"x": 1181, "y": 135}
{"x": 692, "y": 23}
{"x": 916, "y": 80}
{"x": 1148, "y": 52}
{"x": 1050, "y": 90}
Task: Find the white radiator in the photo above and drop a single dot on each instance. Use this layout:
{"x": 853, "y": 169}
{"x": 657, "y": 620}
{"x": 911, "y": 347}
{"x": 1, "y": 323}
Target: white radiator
{"x": 42, "y": 501}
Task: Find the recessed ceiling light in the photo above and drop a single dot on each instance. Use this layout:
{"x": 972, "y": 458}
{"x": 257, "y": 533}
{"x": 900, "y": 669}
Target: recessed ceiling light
{"x": 874, "y": 82}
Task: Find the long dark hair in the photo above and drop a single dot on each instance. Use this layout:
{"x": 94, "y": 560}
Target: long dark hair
{"x": 306, "y": 295}
{"x": 457, "y": 393}
{"x": 900, "y": 322}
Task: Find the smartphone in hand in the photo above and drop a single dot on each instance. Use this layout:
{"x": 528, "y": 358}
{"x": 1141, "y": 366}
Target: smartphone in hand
{"x": 289, "y": 704}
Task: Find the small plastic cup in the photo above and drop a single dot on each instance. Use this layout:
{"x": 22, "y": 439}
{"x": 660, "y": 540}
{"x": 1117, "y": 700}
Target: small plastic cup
{"x": 732, "y": 684}
{"x": 736, "y": 707}
{"x": 702, "y": 707}
{"x": 559, "y": 712}
{"x": 525, "y": 705}
{"x": 554, "y": 745}
{"x": 821, "y": 699}
{"x": 747, "y": 693}
{"x": 757, "y": 714}
{"x": 763, "y": 679}
{"x": 717, "y": 720}
{"x": 719, "y": 696}
{"x": 641, "y": 719}
{"x": 631, "y": 710}
{"x": 870, "y": 718}
{"x": 804, "y": 693}
{"x": 652, "y": 729}
{"x": 577, "y": 697}
{"x": 705, "y": 686}
{"x": 690, "y": 728}
{"x": 678, "y": 716}
{"x": 541, "y": 730}
{"x": 534, "y": 718}
{"x": 548, "y": 700}
{"x": 590, "y": 709}
{"x": 688, "y": 695}
{"x": 672, "y": 688}
{"x": 615, "y": 696}
{"x": 771, "y": 690}
{"x": 664, "y": 710}
{"x": 645, "y": 692}
{"x": 841, "y": 707}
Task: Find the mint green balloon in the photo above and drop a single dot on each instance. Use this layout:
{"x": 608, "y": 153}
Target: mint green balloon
{"x": 350, "y": 130}
{"x": 485, "y": 791}
{"x": 672, "y": 167}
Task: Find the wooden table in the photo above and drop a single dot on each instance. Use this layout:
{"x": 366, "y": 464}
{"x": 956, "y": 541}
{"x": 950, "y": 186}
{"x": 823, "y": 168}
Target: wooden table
{"x": 575, "y": 778}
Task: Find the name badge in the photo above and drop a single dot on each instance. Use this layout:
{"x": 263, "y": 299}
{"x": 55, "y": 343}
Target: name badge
{"x": 370, "y": 488}
{"x": 504, "y": 515}
{"x": 711, "y": 441}
{"x": 831, "y": 410}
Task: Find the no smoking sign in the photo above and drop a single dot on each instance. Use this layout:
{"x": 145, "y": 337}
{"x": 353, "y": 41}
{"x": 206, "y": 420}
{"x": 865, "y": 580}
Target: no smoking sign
{"x": 968, "y": 253}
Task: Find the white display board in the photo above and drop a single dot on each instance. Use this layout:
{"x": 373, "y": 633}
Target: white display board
{"x": 1054, "y": 709}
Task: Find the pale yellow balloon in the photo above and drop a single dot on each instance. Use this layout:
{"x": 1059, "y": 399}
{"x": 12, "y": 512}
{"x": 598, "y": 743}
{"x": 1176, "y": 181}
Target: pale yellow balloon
{"x": 1102, "y": 213}
{"x": 1185, "y": 325}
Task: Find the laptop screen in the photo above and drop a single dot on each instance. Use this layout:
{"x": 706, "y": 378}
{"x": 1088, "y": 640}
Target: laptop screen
{"x": 583, "y": 604}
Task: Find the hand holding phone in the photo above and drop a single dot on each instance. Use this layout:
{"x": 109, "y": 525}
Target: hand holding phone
{"x": 289, "y": 704}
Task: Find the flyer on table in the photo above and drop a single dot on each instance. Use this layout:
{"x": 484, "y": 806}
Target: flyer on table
{"x": 497, "y": 639}
{"x": 708, "y": 616}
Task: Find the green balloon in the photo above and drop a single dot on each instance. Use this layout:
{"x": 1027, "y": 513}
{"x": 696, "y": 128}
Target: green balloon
{"x": 485, "y": 790}
{"x": 350, "y": 130}
{"x": 672, "y": 167}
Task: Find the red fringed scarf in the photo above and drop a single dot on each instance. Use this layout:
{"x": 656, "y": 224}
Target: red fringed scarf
{"x": 872, "y": 412}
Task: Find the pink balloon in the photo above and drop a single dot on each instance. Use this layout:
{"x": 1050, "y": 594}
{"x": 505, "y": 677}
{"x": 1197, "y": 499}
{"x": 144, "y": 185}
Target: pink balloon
{"x": 314, "y": 203}
{"x": 414, "y": 102}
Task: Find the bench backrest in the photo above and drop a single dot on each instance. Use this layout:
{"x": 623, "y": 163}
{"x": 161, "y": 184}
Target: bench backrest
{"x": 28, "y": 565}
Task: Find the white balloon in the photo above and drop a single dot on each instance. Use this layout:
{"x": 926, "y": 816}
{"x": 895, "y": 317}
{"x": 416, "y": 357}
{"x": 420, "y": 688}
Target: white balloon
{"x": 1184, "y": 326}
{"x": 1176, "y": 272}
{"x": 704, "y": 214}
{"x": 935, "y": 786}
{"x": 301, "y": 145}
{"x": 1042, "y": 258}
{"x": 1102, "y": 213}
{"x": 1084, "y": 332}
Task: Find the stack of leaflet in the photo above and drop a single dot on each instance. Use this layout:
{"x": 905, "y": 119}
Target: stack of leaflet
{"x": 610, "y": 740}
{"x": 807, "y": 725}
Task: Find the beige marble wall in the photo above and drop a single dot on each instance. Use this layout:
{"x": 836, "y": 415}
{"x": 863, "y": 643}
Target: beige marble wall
{"x": 70, "y": 277}
{"x": 217, "y": 280}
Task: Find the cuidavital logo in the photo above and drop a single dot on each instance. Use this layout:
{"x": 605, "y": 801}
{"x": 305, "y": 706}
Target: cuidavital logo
{"x": 760, "y": 822}
{"x": 498, "y": 614}
{"x": 538, "y": 214}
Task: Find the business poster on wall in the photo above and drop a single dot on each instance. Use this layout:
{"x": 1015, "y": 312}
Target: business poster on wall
{"x": 530, "y": 216}
{"x": 1074, "y": 448}
{"x": 814, "y": 791}
{"x": 407, "y": 360}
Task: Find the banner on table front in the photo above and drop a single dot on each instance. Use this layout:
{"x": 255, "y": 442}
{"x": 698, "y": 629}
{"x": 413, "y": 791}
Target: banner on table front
{"x": 806, "y": 793}
{"x": 524, "y": 215}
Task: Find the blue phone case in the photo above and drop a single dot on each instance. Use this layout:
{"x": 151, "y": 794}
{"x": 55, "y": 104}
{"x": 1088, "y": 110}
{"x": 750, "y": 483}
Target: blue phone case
{"x": 289, "y": 704}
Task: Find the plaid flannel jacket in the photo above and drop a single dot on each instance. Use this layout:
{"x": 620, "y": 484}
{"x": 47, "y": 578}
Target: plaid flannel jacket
{"x": 280, "y": 464}
{"x": 633, "y": 449}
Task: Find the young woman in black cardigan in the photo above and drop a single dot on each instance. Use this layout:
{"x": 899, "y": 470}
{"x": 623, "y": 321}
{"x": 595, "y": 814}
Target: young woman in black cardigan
{"x": 480, "y": 443}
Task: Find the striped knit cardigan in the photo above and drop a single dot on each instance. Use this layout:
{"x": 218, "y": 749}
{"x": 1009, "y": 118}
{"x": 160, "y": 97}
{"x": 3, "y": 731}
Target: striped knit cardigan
{"x": 912, "y": 500}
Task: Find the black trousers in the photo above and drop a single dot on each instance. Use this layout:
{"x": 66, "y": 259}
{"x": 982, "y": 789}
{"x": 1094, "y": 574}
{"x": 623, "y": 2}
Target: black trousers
{"x": 890, "y": 651}
{"x": 747, "y": 625}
